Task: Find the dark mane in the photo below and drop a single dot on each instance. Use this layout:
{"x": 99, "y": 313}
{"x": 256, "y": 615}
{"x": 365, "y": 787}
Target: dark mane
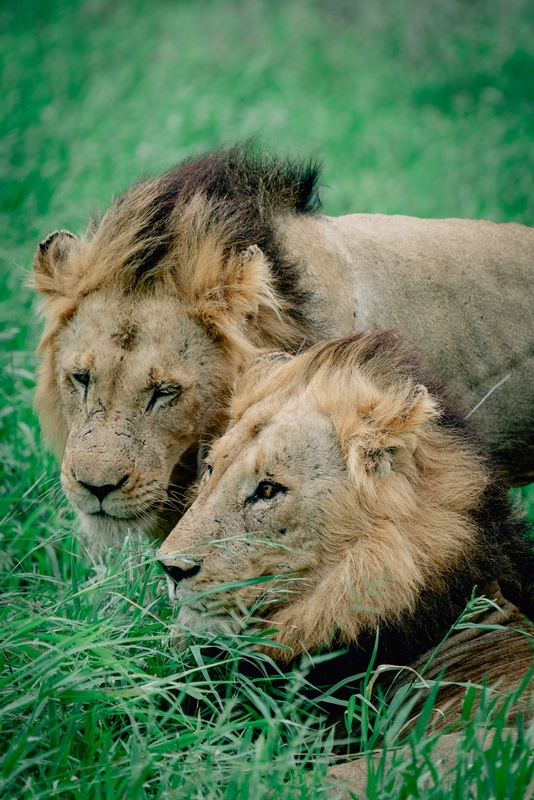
{"x": 242, "y": 191}
{"x": 256, "y": 182}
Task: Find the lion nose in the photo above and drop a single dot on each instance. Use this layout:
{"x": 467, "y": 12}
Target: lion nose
{"x": 177, "y": 574}
{"x": 102, "y": 491}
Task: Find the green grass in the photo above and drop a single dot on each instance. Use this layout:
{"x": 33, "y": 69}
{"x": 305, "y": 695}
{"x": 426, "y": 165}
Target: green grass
{"x": 424, "y": 109}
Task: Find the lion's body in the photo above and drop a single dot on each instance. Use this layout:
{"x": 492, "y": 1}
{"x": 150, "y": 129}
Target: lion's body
{"x": 461, "y": 290}
{"x": 189, "y": 276}
{"x": 348, "y": 477}
{"x": 496, "y": 653}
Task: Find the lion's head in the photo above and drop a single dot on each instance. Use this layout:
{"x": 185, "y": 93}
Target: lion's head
{"x": 352, "y": 490}
{"x": 151, "y": 316}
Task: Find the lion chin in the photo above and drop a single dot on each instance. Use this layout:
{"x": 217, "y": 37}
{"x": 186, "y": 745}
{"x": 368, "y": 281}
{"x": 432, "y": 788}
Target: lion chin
{"x": 103, "y": 530}
{"x": 348, "y": 496}
{"x": 196, "y": 622}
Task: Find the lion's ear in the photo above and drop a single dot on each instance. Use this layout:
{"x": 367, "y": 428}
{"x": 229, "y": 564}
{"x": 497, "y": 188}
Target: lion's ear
{"x": 235, "y": 298}
{"x": 405, "y": 414}
{"x": 418, "y": 408}
{"x": 247, "y": 283}
{"x": 244, "y": 285}
{"x": 388, "y": 438}
{"x": 49, "y": 262}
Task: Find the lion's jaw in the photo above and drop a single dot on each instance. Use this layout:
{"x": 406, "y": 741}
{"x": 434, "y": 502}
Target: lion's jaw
{"x": 133, "y": 405}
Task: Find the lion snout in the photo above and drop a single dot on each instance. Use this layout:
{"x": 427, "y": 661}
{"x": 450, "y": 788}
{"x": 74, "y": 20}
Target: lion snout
{"x": 95, "y": 469}
{"x": 101, "y": 491}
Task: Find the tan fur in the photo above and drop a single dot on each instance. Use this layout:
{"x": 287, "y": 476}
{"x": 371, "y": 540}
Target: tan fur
{"x": 461, "y": 290}
{"x": 385, "y": 519}
{"x": 376, "y": 507}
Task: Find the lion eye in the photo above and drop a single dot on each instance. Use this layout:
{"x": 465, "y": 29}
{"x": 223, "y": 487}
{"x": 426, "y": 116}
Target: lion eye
{"x": 266, "y": 490}
{"x": 205, "y": 477}
{"x": 168, "y": 394}
{"x": 81, "y": 378}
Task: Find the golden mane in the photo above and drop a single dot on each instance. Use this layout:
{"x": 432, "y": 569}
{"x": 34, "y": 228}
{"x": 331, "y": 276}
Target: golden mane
{"x": 413, "y": 521}
{"x": 410, "y": 532}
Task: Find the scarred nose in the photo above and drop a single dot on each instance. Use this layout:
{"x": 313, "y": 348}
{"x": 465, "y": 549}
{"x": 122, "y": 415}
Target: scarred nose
{"x": 177, "y": 574}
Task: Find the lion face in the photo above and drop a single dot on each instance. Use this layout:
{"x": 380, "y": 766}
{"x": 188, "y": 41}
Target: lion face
{"x": 133, "y": 381}
{"x": 151, "y": 316}
{"x": 337, "y": 490}
{"x": 262, "y": 511}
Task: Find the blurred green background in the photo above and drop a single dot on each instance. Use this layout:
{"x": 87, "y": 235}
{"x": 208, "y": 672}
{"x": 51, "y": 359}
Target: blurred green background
{"x": 421, "y": 107}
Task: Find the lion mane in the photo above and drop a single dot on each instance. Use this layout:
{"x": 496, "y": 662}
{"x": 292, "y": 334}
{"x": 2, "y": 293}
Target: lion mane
{"x": 351, "y": 479}
{"x": 155, "y": 311}
{"x": 184, "y": 230}
{"x": 197, "y": 248}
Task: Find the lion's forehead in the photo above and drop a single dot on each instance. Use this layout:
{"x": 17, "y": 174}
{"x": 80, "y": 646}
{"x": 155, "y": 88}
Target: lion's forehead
{"x": 150, "y": 339}
{"x": 296, "y": 442}
{"x": 133, "y": 321}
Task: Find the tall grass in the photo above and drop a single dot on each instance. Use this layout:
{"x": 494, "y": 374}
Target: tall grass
{"x": 97, "y": 701}
{"x": 99, "y": 705}
{"x": 418, "y": 108}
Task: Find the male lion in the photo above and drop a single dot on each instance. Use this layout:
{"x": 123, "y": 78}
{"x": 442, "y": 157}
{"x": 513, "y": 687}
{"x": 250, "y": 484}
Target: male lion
{"x": 356, "y": 494}
{"x": 154, "y": 313}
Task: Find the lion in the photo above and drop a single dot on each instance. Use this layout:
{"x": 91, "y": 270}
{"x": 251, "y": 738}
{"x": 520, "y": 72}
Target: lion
{"x": 155, "y": 311}
{"x": 349, "y": 496}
